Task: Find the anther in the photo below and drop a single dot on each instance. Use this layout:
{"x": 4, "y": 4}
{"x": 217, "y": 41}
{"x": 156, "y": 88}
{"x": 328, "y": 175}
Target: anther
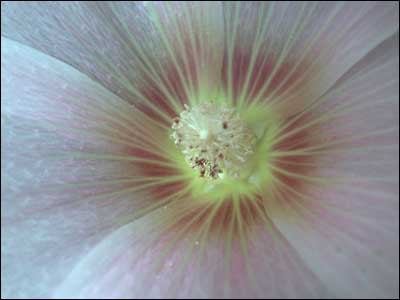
{"x": 211, "y": 149}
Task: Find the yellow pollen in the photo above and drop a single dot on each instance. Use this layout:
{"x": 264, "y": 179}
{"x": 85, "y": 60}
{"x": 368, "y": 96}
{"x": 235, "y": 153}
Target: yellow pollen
{"x": 214, "y": 140}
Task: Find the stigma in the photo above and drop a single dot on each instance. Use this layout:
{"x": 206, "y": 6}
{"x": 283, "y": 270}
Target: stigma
{"x": 213, "y": 139}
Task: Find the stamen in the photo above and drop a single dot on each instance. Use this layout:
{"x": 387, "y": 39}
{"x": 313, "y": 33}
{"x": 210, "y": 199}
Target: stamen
{"x": 213, "y": 139}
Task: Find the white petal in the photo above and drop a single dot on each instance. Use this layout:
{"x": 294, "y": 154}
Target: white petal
{"x": 149, "y": 259}
{"x": 347, "y": 230}
{"x": 69, "y": 167}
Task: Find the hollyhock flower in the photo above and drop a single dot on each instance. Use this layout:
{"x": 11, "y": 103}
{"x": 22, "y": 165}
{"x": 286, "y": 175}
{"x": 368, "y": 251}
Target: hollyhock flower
{"x": 196, "y": 150}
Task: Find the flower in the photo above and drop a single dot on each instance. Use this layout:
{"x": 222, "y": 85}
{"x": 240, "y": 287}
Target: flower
{"x": 102, "y": 196}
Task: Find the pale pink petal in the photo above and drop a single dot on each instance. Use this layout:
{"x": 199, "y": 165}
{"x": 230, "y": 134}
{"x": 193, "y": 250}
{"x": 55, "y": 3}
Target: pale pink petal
{"x": 68, "y": 173}
{"x": 290, "y": 53}
{"x": 345, "y": 220}
{"x": 146, "y": 259}
{"x": 155, "y": 55}
{"x": 284, "y": 53}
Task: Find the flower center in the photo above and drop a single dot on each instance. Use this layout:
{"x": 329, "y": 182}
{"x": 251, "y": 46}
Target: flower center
{"x": 214, "y": 140}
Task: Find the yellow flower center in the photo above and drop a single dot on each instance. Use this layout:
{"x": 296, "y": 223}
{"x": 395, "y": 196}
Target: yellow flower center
{"x": 224, "y": 152}
{"x": 214, "y": 140}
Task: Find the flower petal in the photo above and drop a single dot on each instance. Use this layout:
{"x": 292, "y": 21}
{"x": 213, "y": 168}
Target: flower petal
{"x": 147, "y": 259}
{"x": 346, "y": 226}
{"x": 157, "y": 56}
{"x": 290, "y": 53}
{"x": 70, "y": 153}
